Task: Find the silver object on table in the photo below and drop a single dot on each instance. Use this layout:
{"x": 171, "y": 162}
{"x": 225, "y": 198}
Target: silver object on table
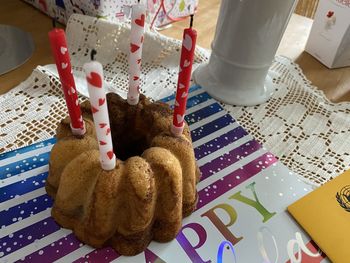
{"x": 16, "y": 47}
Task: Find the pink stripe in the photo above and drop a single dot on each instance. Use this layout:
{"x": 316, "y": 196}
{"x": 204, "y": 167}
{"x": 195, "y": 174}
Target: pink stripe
{"x": 106, "y": 254}
{"x": 228, "y": 182}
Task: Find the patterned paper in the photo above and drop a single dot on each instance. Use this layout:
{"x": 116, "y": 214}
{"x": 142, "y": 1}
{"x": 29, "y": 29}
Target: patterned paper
{"x": 164, "y": 12}
{"x": 243, "y": 195}
{"x": 161, "y": 11}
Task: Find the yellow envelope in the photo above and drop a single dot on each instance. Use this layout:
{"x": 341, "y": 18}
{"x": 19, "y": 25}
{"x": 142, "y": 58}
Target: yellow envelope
{"x": 325, "y": 216}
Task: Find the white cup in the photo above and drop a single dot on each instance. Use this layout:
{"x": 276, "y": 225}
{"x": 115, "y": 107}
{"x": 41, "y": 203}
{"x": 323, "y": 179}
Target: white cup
{"x": 247, "y": 36}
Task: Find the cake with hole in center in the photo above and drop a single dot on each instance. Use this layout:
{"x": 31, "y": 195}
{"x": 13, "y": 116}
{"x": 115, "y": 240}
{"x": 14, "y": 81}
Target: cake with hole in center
{"x": 145, "y": 197}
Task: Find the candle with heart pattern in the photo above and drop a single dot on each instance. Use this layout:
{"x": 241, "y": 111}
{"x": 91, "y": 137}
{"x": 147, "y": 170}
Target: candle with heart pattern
{"x": 94, "y": 77}
{"x": 138, "y": 16}
{"x": 60, "y": 53}
{"x": 184, "y": 78}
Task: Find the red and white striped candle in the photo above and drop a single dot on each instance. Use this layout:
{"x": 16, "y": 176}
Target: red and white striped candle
{"x": 183, "y": 83}
{"x": 94, "y": 77}
{"x": 138, "y": 17}
{"x": 60, "y": 53}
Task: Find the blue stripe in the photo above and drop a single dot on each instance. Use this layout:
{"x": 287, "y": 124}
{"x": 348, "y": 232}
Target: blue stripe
{"x": 169, "y": 98}
{"x": 211, "y": 127}
{"x": 172, "y": 97}
{"x": 10, "y": 191}
{"x": 24, "y": 165}
{"x": 25, "y": 210}
{"x": 195, "y": 100}
{"x": 203, "y": 113}
{"x": 28, "y": 148}
{"x": 194, "y": 88}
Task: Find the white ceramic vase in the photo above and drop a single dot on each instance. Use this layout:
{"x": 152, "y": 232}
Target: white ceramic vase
{"x": 247, "y": 36}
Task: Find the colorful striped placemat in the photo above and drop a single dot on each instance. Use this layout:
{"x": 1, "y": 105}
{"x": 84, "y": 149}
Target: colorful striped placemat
{"x": 243, "y": 195}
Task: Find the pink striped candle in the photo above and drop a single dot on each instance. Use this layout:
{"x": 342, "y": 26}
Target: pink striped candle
{"x": 94, "y": 77}
{"x": 138, "y": 16}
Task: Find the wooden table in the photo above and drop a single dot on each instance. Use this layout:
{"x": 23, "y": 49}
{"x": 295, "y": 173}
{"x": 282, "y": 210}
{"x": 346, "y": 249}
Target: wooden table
{"x": 335, "y": 83}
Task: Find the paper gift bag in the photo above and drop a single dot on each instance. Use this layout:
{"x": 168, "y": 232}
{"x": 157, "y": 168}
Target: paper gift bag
{"x": 160, "y": 12}
{"x": 111, "y": 10}
{"x": 163, "y": 12}
{"x": 53, "y": 8}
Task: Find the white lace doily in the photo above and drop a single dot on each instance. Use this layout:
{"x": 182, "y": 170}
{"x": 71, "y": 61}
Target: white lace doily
{"x": 298, "y": 124}
{"x": 160, "y": 57}
{"x": 31, "y": 111}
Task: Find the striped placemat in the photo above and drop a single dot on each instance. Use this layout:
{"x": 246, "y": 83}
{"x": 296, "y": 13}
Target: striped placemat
{"x": 229, "y": 158}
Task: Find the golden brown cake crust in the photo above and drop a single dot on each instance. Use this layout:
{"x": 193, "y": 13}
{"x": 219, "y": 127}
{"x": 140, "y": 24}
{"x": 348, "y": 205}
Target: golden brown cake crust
{"x": 145, "y": 197}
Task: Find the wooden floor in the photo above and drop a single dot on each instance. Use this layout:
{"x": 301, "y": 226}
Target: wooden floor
{"x": 335, "y": 83}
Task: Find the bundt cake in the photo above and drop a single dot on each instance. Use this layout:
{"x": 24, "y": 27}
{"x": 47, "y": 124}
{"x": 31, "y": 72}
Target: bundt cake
{"x": 145, "y": 197}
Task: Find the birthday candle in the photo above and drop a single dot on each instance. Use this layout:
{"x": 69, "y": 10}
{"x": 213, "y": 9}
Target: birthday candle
{"x": 138, "y": 15}
{"x": 184, "y": 78}
{"x": 60, "y": 53}
{"x": 94, "y": 77}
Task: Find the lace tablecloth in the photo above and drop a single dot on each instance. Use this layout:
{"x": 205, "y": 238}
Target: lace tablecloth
{"x": 298, "y": 124}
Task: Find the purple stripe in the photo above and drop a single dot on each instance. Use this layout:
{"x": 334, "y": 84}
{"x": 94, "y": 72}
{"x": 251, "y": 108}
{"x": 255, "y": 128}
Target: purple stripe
{"x": 228, "y": 182}
{"x": 106, "y": 254}
{"x": 227, "y": 159}
{"x": 28, "y": 235}
{"x": 211, "y": 127}
{"x": 55, "y": 250}
{"x": 219, "y": 142}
